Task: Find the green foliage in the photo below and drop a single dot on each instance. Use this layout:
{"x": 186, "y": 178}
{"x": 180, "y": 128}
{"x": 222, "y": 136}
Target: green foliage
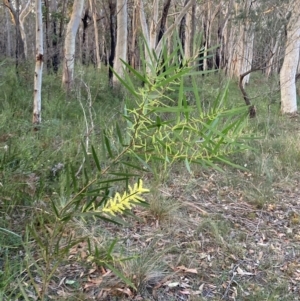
{"x": 175, "y": 128}
{"x": 164, "y": 121}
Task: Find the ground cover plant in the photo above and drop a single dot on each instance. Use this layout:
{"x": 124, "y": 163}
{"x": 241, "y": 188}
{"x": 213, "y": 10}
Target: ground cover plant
{"x": 222, "y": 215}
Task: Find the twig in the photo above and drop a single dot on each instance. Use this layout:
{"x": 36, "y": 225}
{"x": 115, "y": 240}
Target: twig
{"x": 230, "y": 282}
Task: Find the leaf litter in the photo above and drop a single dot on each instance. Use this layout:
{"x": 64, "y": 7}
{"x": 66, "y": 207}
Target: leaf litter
{"x": 218, "y": 245}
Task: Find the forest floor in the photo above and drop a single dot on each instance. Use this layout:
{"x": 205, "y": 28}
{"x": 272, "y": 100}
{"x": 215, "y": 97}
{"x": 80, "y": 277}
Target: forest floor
{"x": 216, "y": 237}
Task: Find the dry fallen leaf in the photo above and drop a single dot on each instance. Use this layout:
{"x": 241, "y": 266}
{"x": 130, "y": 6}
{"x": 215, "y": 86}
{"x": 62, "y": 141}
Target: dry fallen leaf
{"x": 185, "y": 292}
{"x": 173, "y": 284}
{"x": 186, "y": 270}
{"x": 126, "y": 291}
{"x": 243, "y": 273}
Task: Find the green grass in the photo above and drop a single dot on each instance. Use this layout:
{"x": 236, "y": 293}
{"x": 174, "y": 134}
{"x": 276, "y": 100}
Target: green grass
{"x": 207, "y": 221}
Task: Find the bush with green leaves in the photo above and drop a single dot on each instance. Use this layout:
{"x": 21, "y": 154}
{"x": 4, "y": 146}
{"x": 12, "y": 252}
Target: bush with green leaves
{"x": 164, "y": 122}
{"x": 168, "y": 122}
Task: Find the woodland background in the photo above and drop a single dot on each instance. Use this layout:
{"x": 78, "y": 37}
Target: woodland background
{"x": 149, "y": 150}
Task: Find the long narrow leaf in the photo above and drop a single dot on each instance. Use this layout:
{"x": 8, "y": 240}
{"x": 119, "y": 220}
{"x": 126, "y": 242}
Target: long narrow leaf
{"x": 121, "y": 276}
{"x": 125, "y": 84}
{"x": 119, "y": 134}
{"x": 96, "y": 160}
{"x": 136, "y": 73}
{"x": 107, "y": 144}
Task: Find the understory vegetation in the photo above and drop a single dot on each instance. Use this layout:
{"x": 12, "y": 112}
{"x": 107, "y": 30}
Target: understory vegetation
{"x": 161, "y": 189}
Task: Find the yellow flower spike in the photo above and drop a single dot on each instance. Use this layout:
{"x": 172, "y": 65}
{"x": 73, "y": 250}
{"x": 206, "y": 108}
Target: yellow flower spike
{"x": 119, "y": 203}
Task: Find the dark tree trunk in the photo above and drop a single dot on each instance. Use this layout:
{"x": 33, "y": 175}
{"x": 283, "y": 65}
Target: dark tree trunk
{"x": 55, "y": 54}
{"x": 163, "y": 21}
{"x": 112, "y": 25}
{"x": 20, "y": 54}
{"x": 85, "y": 21}
{"x": 182, "y": 35}
{"x": 62, "y": 19}
{"x": 47, "y": 24}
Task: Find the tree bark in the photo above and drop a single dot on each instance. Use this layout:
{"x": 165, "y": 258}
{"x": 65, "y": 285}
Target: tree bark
{"x": 69, "y": 47}
{"x": 189, "y": 34}
{"x": 55, "y": 38}
{"x": 182, "y": 33}
{"x": 208, "y": 62}
{"x": 153, "y": 26}
{"x": 121, "y": 46}
{"x": 163, "y": 20}
{"x": 132, "y": 51}
{"x": 171, "y": 28}
{"x": 36, "y": 119}
{"x": 222, "y": 55}
{"x": 15, "y": 16}
{"x": 145, "y": 35}
{"x": 94, "y": 16}
{"x": 290, "y": 63}
{"x": 85, "y": 22}
{"x": 112, "y": 25}
{"x": 47, "y": 34}
{"x": 241, "y": 45}
{"x": 24, "y": 13}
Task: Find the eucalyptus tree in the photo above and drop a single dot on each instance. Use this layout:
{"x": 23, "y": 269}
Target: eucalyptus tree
{"x": 290, "y": 62}
{"x": 69, "y": 46}
{"x": 158, "y": 34}
{"x": 242, "y": 35}
{"x": 112, "y": 27}
{"x": 38, "y": 72}
{"x": 121, "y": 46}
{"x": 94, "y": 16}
{"x": 189, "y": 32}
{"x": 19, "y": 11}
{"x": 52, "y": 34}
{"x": 133, "y": 30}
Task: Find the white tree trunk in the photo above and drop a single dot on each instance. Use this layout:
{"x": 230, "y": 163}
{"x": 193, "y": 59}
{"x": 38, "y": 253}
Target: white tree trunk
{"x": 153, "y": 26}
{"x": 240, "y": 46}
{"x": 121, "y": 47}
{"x": 24, "y": 13}
{"x": 145, "y": 35}
{"x": 94, "y": 13}
{"x": 188, "y": 36}
{"x": 134, "y": 27}
{"x": 69, "y": 46}
{"x": 290, "y": 63}
{"x": 38, "y": 72}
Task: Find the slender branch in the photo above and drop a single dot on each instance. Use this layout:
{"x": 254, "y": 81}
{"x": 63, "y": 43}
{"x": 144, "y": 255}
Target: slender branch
{"x": 252, "y": 109}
